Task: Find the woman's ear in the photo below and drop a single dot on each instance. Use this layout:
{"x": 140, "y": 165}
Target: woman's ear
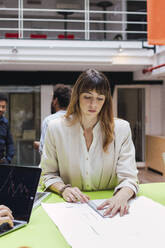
{"x": 54, "y": 105}
{"x": 55, "y": 101}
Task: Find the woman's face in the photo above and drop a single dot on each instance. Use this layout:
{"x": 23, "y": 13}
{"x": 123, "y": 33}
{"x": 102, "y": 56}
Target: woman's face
{"x": 91, "y": 103}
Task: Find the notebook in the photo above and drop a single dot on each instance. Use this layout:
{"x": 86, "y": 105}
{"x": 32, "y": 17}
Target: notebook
{"x": 18, "y": 186}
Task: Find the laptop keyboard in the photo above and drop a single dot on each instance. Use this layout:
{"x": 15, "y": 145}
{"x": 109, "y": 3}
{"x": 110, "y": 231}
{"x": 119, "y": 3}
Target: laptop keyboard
{"x": 6, "y": 227}
{"x": 38, "y": 196}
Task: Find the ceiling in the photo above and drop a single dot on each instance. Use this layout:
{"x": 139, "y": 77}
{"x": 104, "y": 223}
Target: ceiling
{"x": 73, "y": 55}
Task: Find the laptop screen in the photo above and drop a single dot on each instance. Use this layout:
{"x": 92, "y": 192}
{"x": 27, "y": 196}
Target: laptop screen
{"x": 18, "y": 186}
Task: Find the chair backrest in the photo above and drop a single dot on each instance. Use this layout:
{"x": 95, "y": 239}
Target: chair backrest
{"x": 61, "y": 36}
{"x": 68, "y": 36}
{"x": 38, "y": 36}
{"x": 11, "y": 35}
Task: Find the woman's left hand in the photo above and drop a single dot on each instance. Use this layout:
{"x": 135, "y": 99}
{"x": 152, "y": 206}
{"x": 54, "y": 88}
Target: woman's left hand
{"x": 6, "y": 215}
{"x": 118, "y": 203}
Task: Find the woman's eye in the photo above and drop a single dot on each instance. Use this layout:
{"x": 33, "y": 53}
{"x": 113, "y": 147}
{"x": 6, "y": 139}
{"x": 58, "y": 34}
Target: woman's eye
{"x": 87, "y": 97}
{"x": 100, "y": 99}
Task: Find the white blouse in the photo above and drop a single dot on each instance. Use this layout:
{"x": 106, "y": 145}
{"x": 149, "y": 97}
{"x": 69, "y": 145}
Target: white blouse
{"x": 66, "y": 159}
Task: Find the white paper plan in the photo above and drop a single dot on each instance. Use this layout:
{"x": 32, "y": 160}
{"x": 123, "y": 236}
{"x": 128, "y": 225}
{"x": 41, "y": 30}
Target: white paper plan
{"x": 81, "y": 226}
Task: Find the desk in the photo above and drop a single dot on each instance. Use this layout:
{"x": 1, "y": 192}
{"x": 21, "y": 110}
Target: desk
{"x": 41, "y": 232}
{"x": 155, "y": 146}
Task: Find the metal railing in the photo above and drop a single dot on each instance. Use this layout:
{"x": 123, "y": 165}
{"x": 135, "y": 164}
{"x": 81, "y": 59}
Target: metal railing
{"x": 86, "y": 24}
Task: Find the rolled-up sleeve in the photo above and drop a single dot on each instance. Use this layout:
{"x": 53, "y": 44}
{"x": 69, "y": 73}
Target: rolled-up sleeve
{"x": 126, "y": 168}
{"x": 49, "y": 161}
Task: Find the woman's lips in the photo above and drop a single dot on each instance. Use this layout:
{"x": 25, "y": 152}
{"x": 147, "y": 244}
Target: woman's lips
{"x": 92, "y": 111}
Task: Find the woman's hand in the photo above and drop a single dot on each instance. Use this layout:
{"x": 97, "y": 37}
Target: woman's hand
{"x": 6, "y": 215}
{"x": 118, "y": 203}
{"x": 73, "y": 194}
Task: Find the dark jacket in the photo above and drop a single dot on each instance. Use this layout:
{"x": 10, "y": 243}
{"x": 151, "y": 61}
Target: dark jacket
{"x": 6, "y": 141}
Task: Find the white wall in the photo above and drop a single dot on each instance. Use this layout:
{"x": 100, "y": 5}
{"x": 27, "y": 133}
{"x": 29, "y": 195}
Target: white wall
{"x": 46, "y": 98}
{"x": 154, "y": 102}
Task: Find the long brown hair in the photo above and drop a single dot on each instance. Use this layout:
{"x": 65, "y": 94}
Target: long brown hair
{"x": 88, "y": 81}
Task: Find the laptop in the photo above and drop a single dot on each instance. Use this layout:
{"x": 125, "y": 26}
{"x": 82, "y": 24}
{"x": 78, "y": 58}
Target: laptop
{"x": 18, "y": 186}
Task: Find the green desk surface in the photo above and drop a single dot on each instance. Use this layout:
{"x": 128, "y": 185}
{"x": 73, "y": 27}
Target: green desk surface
{"x": 41, "y": 232}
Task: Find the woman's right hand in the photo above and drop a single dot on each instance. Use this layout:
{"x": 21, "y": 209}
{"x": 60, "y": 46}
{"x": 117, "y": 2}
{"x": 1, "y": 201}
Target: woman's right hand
{"x": 74, "y": 194}
{"x": 6, "y": 215}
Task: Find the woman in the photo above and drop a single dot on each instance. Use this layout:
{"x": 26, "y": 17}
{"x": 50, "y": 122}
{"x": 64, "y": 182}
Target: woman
{"x": 6, "y": 215}
{"x": 89, "y": 150}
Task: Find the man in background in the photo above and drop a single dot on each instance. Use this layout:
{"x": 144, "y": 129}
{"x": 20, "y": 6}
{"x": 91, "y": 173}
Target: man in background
{"x": 60, "y": 102}
{"x": 6, "y": 140}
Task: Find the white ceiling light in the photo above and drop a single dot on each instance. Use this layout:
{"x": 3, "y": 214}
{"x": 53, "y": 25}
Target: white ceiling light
{"x": 120, "y": 49}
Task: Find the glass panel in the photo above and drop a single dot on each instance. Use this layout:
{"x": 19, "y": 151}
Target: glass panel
{"x": 38, "y": 19}
{"x": 131, "y": 107}
{"x": 50, "y": 23}
{"x": 24, "y": 118}
{"x": 140, "y": 26}
{"x": 109, "y": 23}
{"x": 9, "y": 19}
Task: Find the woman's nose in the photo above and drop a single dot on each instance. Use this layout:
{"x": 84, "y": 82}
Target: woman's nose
{"x": 93, "y": 102}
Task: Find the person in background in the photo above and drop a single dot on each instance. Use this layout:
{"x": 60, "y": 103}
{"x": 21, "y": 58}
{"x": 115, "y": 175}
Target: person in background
{"x": 60, "y": 101}
{"x": 36, "y": 145}
{"x": 6, "y": 140}
{"x": 6, "y": 215}
{"x": 88, "y": 149}
{"x": 52, "y": 108}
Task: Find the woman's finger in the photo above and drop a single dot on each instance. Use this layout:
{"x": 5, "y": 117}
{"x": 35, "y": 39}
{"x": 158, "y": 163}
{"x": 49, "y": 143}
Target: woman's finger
{"x": 126, "y": 209}
{"x": 104, "y": 204}
{"x": 72, "y": 197}
{"x": 6, "y": 219}
{"x": 115, "y": 210}
{"x": 80, "y": 196}
{"x": 2, "y": 207}
{"x": 5, "y": 213}
{"x": 108, "y": 211}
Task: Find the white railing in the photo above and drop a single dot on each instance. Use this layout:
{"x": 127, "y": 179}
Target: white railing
{"x": 87, "y": 24}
